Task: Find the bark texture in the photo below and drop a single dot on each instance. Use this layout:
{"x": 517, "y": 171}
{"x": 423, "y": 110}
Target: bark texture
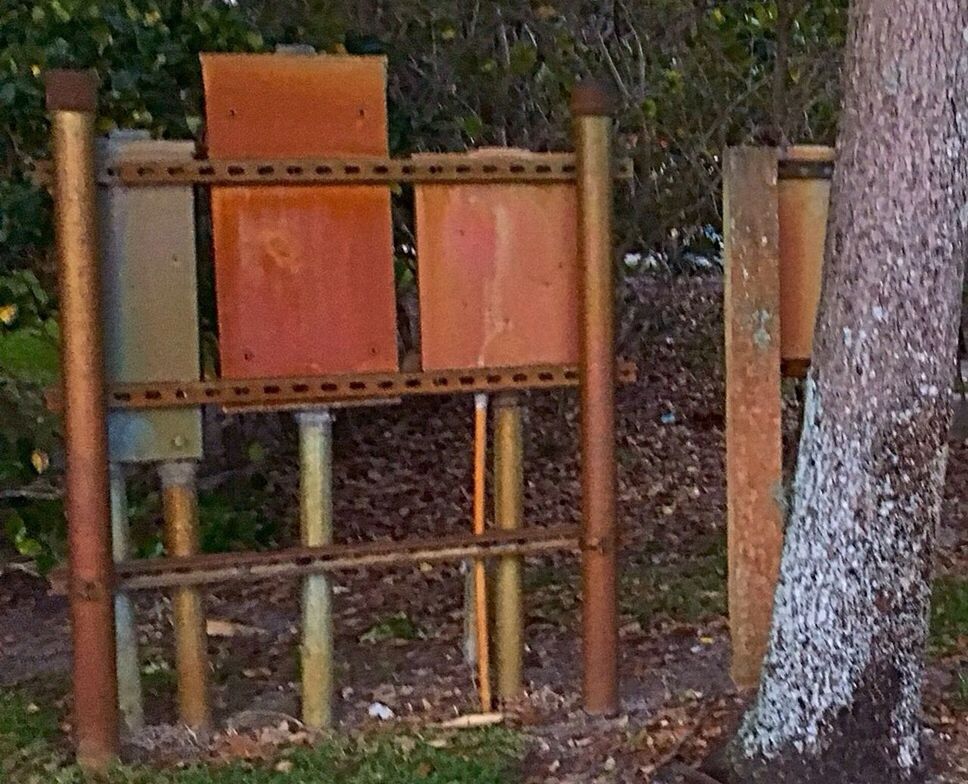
{"x": 839, "y": 701}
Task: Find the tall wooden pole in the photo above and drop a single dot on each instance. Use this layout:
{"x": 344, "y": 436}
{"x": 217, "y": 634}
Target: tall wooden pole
{"x": 71, "y": 101}
{"x": 592, "y": 109}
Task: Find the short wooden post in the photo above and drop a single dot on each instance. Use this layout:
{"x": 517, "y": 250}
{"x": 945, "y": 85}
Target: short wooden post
{"x": 316, "y": 525}
{"x": 191, "y": 642}
{"x": 508, "y": 516}
{"x": 754, "y": 477}
{"x": 126, "y": 630}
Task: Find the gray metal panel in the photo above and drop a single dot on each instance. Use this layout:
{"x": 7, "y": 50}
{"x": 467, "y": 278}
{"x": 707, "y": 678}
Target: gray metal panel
{"x": 150, "y": 301}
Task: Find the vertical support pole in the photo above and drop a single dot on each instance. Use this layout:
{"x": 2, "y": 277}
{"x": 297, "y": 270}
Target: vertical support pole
{"x": 71, "y": 101}
{"x": 125, "y": 629}
{"x": 754, "y": 488}
{"x": 480, "y": 570}
{"x": 316, "y": 518}
{"x": 180, "y": 504}
{"x": 470, "y": 614}
{"x": 508, "y": 515}
{"x": 592, "y": 108}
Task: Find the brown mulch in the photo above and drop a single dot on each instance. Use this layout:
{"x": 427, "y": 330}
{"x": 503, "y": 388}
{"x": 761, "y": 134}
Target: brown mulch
{"x": 404, "y": 471}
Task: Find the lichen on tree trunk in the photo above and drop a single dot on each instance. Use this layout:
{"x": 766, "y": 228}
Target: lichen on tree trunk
{"x": 840, "y": 696}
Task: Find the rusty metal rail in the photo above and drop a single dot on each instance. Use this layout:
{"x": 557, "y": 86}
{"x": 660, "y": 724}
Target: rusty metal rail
{"x": 323, "y": 390}
{"x": 438, "y": 169}
{"x": 300, "y": 561}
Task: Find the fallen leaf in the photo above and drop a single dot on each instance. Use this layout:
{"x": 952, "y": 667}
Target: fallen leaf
{"x": 216, "y": 627}
{"x": 471, "y": 720}
{"x": 39, "y": 460}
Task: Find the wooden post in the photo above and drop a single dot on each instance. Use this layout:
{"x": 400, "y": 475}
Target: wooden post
{"x": 754, "y": 480}
{"x": 316, "y": 525}
{"x": 72, "y": 104}
{"x": 592, "y": 108}
{"x": 509, "y": 516}
{"x": 180, "y": 504}
{"x": 803, "y": 195}
{"x": 126, "y": 630}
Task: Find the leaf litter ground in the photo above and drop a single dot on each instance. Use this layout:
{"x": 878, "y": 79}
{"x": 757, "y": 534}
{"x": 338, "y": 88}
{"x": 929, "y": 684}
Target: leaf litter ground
{"x": 405, "y": 471}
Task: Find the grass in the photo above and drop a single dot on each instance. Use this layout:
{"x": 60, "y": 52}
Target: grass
{"x": 32, "y": 751}
{"x": 690, "y": 590}
{"x": 960, "y": 701}
{"x": 693, "y": 590}
{"x": 949, "y": 615}
{"x": 398, "y": 626}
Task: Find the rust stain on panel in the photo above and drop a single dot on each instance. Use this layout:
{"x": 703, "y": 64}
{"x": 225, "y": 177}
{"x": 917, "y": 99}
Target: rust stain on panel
{"x": 753, "y": 436}
{"x": 149, "y": 283}
{"x": 304, "y": 275}
{"x": 498, "y": 274}
{"x": 803, "y": 206}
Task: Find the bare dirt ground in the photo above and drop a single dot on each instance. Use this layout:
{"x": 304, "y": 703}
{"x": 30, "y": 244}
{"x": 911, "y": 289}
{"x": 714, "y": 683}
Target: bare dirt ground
{"x": 403, "y": 471}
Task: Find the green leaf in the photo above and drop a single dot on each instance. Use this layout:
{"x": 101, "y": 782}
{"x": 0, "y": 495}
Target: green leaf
{"x": 27, "y": 545}
{"x": 256, "y": 452}
{"x": 28, "y": 355}
{"x": 473, "y": 125}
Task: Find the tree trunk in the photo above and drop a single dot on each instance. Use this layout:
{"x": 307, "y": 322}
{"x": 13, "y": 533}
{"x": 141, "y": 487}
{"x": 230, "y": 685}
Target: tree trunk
{"x": 839, "y": 701}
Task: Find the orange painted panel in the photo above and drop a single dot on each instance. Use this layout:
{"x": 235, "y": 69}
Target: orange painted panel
{"x": 497, "y": 268}
{"x": 303, "y": 274}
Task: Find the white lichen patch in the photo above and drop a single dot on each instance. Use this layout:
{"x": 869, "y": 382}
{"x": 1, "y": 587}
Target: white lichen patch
{"x": 830, "y": 626}
{"x": 761, "y": 328}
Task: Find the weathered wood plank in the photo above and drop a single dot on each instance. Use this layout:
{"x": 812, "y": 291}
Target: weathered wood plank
{"x": 753, "y": 436}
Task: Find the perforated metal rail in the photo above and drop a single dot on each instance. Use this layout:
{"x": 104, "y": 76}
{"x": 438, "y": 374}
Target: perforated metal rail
{"x": 250, "y": 567}
{"x": 442, "y": 169}
{"x": 320, "y": 390}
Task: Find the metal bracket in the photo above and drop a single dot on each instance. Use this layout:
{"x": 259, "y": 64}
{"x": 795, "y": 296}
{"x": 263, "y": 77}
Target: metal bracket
{"x": 88, "y": 590}
{"x": 598, "y": 545}
{"x": 791, "y": 169}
